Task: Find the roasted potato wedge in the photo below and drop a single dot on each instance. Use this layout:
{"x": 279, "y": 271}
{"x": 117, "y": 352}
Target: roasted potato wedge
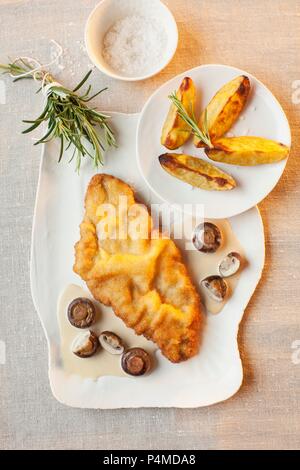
{"x": 196, "y": 172}
{"x": 175, "y": 131}
{"x": 224, "y": 109}
{"x": 247, "y": 151}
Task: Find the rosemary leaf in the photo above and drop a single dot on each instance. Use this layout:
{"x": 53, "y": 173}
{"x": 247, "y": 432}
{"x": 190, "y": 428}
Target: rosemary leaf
{"x": 85, "y": 78}
{"x": 61, "y": 148}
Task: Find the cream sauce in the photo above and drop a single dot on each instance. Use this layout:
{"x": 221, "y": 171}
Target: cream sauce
{"x": 208, "y": 264}
{"x": 102, "y": 363}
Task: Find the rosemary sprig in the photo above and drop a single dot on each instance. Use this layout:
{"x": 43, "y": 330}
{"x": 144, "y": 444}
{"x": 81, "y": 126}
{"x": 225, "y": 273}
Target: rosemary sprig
{"x": 67, "y": 115}
{"x": 191, "y": 121}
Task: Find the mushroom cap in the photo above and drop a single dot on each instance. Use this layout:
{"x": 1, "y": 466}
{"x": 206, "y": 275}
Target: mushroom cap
{"x": 111, "y": 342}
{"x": 230, "y": 264}
{"x": 216, "y": 287}
{"x": 207, "y": 237}
{"x": 81, "y": 312}
{"x": 85, "y": 344}
{"x": 136, "y": 361}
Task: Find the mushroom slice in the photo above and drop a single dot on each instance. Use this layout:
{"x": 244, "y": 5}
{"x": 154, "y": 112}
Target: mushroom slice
{"x": 111, "y": 342}
{"x": 216, "y": 287}
{"x": 85, "y": 344}
{"x": 207, "y": 237}
{"x": 230, "y": 265}
{"x": 81, "y": 312}
{"x": 136, "y": 361}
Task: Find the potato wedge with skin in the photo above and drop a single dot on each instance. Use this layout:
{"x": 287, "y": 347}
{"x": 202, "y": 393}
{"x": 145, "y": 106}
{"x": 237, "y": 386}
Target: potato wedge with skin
{"x": 196, "y": 172}
{"x": 224, "y": 109}
{"x": 247, "y": 151}
{"x": 175, "y": 131}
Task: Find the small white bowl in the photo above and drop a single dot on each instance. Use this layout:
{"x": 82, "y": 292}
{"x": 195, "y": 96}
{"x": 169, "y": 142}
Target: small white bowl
{"x": 107, "y": 12}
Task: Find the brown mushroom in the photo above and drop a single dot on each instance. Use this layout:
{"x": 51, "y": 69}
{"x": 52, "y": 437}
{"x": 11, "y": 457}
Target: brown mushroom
{"x": 136, "y": 361}
{"x": 81, "y": 312}
{"x": 207, "y": 237}
{"x": 230, "y": 265}
{"x": 216, "y": 287}
{"x": 111, "y": 342}
{"x": 85, "y": 344}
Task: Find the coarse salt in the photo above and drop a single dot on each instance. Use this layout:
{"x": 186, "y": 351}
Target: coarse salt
{"x": 134, "y": 45}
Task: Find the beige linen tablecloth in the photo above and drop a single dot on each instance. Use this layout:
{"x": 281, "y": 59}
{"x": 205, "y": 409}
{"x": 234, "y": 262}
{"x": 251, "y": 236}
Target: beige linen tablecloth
{"x": 260, "y": 36}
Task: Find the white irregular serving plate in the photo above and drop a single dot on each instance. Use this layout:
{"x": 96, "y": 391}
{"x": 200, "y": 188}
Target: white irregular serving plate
{"x": 214, "y": 375}
{"x": 262, "y": 116}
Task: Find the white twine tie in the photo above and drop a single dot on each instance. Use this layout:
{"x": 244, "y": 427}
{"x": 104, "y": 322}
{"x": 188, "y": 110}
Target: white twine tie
{"x": 38, "y": 68}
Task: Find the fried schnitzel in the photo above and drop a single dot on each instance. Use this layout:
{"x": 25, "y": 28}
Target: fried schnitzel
{"x": 140, "y": 275}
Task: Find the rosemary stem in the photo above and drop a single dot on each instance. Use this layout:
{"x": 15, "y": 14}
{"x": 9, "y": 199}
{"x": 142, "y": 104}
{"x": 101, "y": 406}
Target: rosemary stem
{"x": 190, "y": 120}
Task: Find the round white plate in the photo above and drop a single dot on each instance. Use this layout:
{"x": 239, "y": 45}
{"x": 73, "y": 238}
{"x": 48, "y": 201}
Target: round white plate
{"x": 262, "y": 116}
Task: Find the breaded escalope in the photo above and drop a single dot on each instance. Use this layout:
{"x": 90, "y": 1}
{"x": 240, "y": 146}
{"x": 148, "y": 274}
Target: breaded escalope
{"x": 139, "y": 274}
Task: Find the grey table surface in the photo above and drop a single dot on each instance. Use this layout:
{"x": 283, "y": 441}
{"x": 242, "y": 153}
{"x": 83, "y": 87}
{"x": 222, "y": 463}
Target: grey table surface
{"x": 261, "y": 36}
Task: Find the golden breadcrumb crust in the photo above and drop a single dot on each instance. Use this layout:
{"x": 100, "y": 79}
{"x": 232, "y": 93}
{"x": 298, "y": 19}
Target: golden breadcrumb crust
{"x": 144, "y": 280}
